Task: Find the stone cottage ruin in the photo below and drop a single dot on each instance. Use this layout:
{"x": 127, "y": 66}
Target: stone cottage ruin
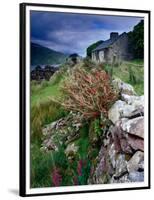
{"x": 113, "y": 50}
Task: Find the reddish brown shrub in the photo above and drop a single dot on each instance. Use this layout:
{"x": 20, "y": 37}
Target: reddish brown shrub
{"x": 89, "y": 93}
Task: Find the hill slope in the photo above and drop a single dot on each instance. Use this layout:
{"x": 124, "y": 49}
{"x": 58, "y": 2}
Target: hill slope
{"x": 42, "y": 55}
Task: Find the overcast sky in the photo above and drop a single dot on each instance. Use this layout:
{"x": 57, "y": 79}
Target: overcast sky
{"x": 73, "y": 33}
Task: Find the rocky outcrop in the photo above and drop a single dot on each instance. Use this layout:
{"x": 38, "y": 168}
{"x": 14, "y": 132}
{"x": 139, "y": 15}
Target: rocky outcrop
{"x": 121, "y": 157}
{"x": 62, "y": 131}
{"x": 40, "y": 73}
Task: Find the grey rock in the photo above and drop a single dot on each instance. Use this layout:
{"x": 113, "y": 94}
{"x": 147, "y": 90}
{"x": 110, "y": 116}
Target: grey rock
{"x": 136, "y": 113}
{"x": 127, "y": 110}
{"x": 134, "y": 163}
{"x": 134, "y": 126}
{"x": 136, "y": 143}
{"x": 119, "y": 138}
{"x": 122, "y": 109}
{"x": 112, "y": 155}
{"x": 114, "y": 112}
{"x": 123, "y": 88}
{"x": 133, "y": 100}
{"x": 127, "y": 89}
{"x": 137, "y": 102}
{"x": 136, "y": 176}
{"x": 62, "y": 131}
{"x": 103, "y": 170}
{"x": 120, "y": 165}
{"x": 106, "y": 141}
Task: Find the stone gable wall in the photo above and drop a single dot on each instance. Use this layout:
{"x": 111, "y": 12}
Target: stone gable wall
{"x": 116, "y": 53}
{"x": 119, "y": 50}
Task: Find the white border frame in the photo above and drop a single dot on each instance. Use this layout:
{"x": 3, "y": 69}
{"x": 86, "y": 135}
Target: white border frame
{"x": 33, "y": 191}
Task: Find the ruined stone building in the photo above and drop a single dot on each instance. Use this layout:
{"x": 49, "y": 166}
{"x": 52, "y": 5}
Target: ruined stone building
{"x": 113, "y": 50}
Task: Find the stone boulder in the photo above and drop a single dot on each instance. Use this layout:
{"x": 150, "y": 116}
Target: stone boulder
{"x": 136, "y": 113}
{"x": 136, "y": 176}
{"x": 134, "y": 126}
{"x": 135, "y": 161}
{"x": 128, "y": 107}
{"x": 114, "y": 113}
{"x": 120, "y": 166}
{"x": 122, "y": 87}
{"x": 136, "y": 143}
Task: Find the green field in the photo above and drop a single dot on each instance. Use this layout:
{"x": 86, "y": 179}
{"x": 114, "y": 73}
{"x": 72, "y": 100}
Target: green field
{"x": 130, "y": 72}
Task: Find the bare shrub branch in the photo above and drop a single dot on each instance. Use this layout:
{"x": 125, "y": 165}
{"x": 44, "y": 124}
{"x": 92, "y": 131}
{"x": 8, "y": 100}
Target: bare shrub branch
{"x": 89, "y": 93}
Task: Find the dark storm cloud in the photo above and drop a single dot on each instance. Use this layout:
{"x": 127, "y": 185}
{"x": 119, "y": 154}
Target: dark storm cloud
{"x": 72, "y": 33}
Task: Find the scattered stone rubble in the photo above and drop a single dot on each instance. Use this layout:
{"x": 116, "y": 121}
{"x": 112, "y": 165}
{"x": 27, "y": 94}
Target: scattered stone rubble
{"x": 62, "y": 131}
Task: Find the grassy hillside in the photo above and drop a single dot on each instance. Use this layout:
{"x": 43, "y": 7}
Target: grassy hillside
{"x": 42, "y": 93}
{"x": 129, "y": 72}
{"x": 42, "y": 55}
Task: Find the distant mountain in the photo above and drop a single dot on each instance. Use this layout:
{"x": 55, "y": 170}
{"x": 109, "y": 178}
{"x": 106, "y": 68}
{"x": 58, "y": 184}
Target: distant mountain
{"x": 41, "y": 55}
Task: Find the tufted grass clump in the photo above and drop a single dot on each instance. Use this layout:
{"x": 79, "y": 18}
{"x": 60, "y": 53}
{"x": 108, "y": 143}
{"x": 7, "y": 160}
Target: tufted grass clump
{"x": 43, "y": 113}
{"x": 88, "y": 92}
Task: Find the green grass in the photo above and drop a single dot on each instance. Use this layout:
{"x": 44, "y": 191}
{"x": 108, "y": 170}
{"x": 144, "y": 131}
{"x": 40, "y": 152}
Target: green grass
{"x": 45, "y": 93}
{"x": 44, "y": 111}
{"x": 42, "y": 92}
{"x": 126, "y": 70}
{"x": 83, "y": 142}
{"x": 45, "y": 90}
{"x": 41, "y": 165}
{"x": 138, "y": 61}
